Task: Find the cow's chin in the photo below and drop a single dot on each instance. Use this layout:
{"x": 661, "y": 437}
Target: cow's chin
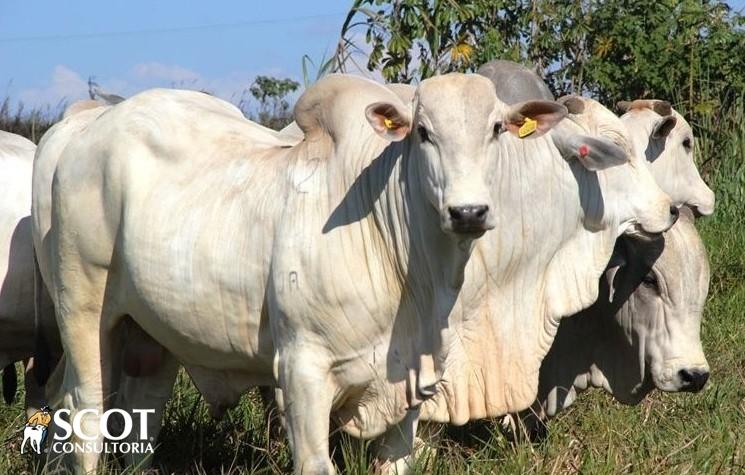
{"x": 668, "y": 385}
{"x": 462, "y": 233}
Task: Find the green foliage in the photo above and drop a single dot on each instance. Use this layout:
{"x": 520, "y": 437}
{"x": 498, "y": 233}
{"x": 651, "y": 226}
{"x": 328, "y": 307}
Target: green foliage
{"x": 30, "y": 124}
{"x": 274, "y": 109}
{"x": 648, "y": 48}
{"x": 610, "y": 49}
{"x": 324, "y": 67}
{"x": 412, "y": 39}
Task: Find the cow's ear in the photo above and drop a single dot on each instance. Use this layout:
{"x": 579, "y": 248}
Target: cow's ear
{"x": 687, "y": 214}
{"x": 594, "y": 153}
{"x": 533, "y": 118}
{"x": 662, "y": 107}
{"x": 574, "y": 104}
{"x": 617, "y": 261}
{"x": 623, "y": 106}
{"x": 663, "y": 127}
{"x": 388, "y": 120}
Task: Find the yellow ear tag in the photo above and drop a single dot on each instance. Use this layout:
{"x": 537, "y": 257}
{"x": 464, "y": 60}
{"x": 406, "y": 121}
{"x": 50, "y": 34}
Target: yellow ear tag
{"x": 388, "y": 123}
{"x": 529, "y": 126}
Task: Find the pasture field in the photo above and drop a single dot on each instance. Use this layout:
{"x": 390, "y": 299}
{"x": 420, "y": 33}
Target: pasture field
{"x": 666, "y": 433}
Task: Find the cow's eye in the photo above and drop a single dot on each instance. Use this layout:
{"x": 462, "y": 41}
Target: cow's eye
{"x": 423, "y": 134}
{"x": 497, "y": 128}
{"x": 687, "y": 144}
{"x": 650, "y": 281}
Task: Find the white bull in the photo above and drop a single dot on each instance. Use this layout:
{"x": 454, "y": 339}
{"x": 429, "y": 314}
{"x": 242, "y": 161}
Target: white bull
{"x": 644, "y": 332}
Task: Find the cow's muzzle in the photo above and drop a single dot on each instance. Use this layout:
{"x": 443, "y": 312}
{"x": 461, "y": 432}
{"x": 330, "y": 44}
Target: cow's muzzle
{"x": 692, "y": 380}
{"x": 643, "y": 234}
{"x": 469, "y": 219}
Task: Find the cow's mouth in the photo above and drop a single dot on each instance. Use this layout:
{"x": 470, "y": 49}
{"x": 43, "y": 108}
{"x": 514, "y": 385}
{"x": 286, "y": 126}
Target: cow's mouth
{"x": 637, "y": 231}
{"x": 469, "y": 231}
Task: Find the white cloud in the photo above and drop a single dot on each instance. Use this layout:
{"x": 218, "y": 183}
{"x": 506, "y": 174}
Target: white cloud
{"x": 164, "y": 72}
{"x": 67, "y": 85}
{"x": 64, "y": 85}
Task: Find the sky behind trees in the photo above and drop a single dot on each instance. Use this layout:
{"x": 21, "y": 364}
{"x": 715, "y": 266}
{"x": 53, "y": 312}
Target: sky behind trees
{"x": 48, "y": 49}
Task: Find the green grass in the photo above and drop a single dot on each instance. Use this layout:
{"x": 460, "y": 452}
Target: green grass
{"x": 666, "y": 433}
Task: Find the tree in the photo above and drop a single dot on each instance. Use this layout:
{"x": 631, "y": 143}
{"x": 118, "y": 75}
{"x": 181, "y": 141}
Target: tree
{"x": 689, "y": 50}
{"x": 274, "y": 109}
{"x": 413, "y": 39}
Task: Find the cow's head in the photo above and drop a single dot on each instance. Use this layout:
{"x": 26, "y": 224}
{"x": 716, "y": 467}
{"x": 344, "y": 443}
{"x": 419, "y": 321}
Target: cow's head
{"x": 662, "y": 287}
{"x": 454, "y": 132}
{"x": 667, "y": 142}
{"x": 630, "y": 196}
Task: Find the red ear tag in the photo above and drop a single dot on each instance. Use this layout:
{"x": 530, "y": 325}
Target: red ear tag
{"x": 584, "y": 150}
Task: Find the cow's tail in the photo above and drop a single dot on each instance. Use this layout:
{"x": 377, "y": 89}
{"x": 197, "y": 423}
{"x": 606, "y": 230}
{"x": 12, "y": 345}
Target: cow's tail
{"x": 10, "y": 383}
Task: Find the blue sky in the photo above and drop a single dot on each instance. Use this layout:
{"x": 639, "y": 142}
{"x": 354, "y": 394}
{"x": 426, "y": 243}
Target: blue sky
{"x": 48, "y": 49}
{"x": 273, "y": 37}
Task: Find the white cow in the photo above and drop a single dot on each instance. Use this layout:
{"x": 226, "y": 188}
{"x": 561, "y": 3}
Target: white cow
{"x": 667, "y": 141}
{"x": 642, "y": 333}
{"x": 17, "y": 335}
{"x": 329, "y": 267}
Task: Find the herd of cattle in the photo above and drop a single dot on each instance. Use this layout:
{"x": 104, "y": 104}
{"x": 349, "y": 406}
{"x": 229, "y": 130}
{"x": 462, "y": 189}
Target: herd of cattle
{"x": 398, "y": 254}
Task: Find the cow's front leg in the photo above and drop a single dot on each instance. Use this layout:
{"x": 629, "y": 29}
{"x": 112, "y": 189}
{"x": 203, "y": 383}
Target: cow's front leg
{"x": 307, "y": 396}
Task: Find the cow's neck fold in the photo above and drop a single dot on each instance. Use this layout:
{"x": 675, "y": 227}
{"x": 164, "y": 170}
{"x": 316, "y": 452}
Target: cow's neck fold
{"x": 384, "y": 201}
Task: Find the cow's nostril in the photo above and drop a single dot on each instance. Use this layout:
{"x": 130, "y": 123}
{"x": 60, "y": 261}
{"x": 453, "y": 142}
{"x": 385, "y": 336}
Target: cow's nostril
{"x": 674, "y": 211}
{"x": 481, "y": 211}
{"x": 456, "y": 213}
{"x": 468, "y": 219}
{"x": 693, "y": 380}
